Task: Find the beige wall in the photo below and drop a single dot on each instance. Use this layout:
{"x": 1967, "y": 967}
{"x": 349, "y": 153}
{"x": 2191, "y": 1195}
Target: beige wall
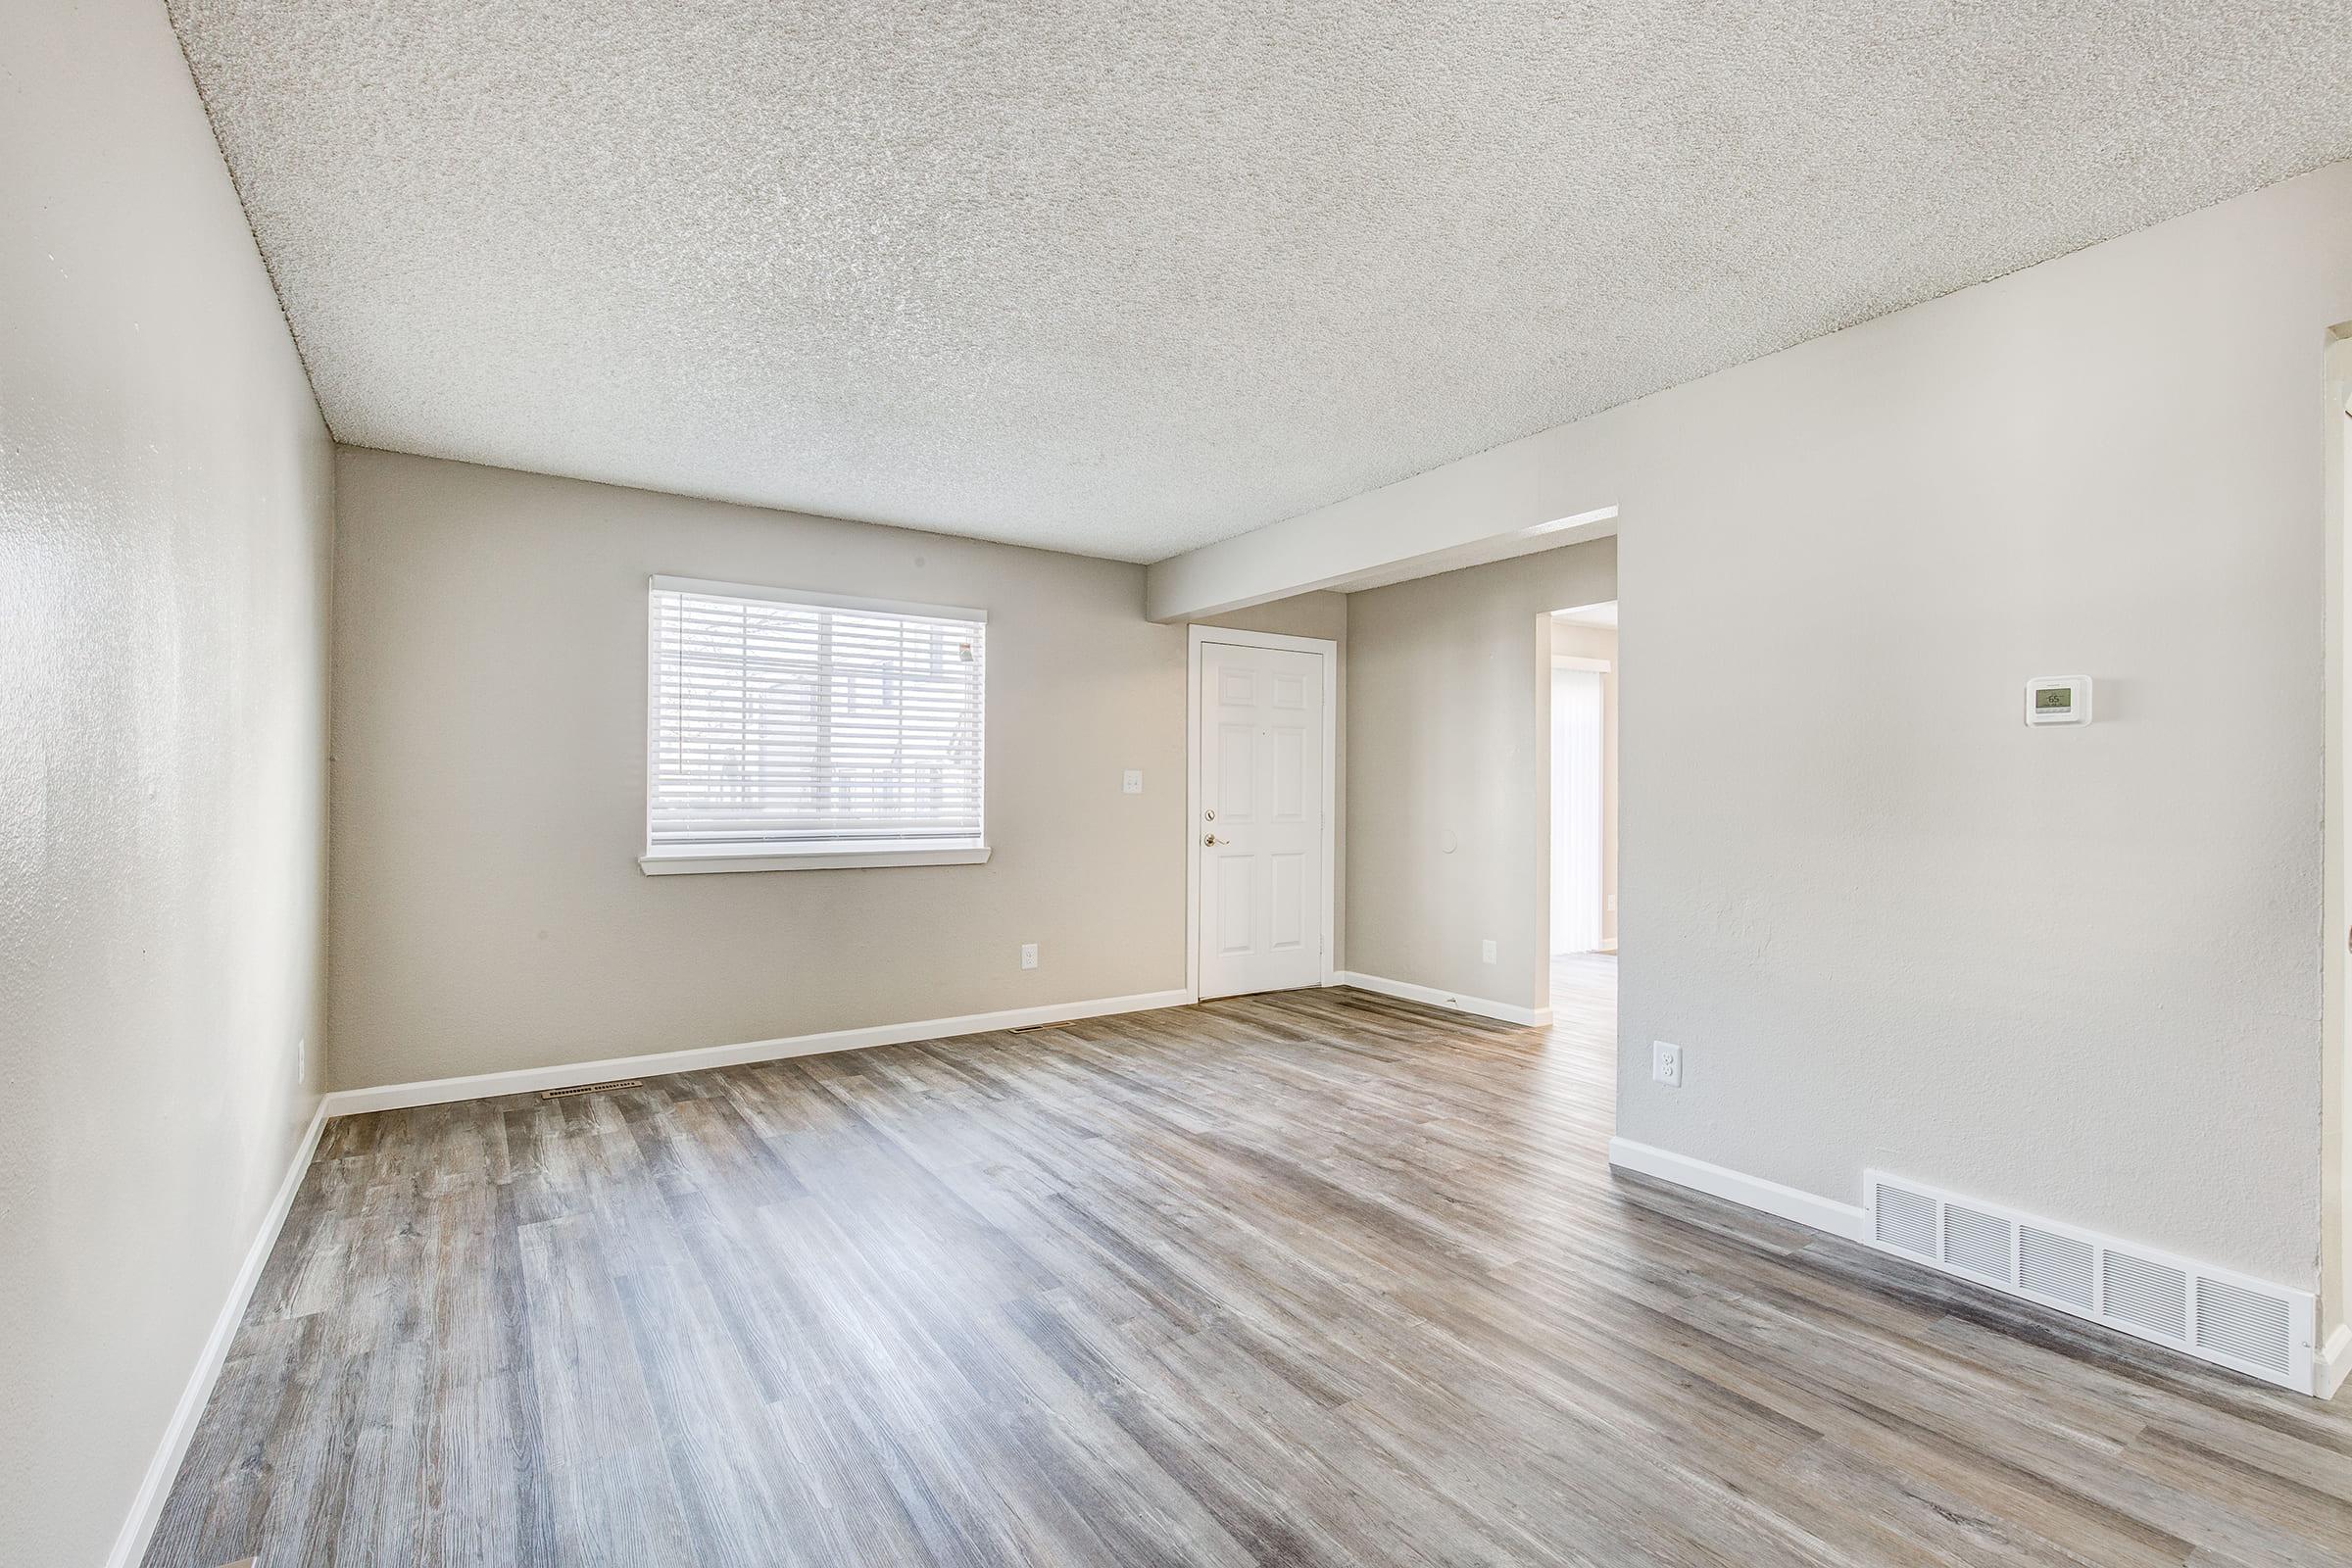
{"x": 165, "y": 513}
{"x": 1601, "y": 642}
{"x": 489, "y": 796}
{"x": 1449, "y": 740}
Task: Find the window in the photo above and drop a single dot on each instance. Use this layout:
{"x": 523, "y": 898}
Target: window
{"x": 796, "y": 729}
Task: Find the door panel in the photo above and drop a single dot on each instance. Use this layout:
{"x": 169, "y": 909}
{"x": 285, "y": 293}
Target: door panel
{"x": 1235, "y": 773}
{"x": 1288, "y": 899}
{"x": 1233, "y": 904}
{"x": 1261, "y": 799}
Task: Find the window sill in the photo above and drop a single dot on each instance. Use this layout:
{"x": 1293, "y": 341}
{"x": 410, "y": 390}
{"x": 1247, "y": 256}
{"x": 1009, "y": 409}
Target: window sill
{"x": 676, "y": 862}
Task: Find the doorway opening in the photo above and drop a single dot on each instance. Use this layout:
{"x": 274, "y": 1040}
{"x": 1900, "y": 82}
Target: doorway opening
{"x": 1583, "y": 890}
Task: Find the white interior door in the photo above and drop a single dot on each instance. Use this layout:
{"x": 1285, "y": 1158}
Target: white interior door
{"x": 1259, "y": 835}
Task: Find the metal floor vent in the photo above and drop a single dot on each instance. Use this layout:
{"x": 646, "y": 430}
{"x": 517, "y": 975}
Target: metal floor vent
{"x": 2246, "y": 1325}
{"x": 590, "y": 1089}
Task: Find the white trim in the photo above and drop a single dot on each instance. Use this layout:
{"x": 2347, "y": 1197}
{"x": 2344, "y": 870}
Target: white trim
{"x": 1853, "y": 1222}
{"x": 804, "y": 596}
{"x": 731, "y": 857}
{"x": 1845, "y": 1220}
{"x": 570, "y": 1075}
{"x": 675, "y": 860}
{"x": 1506, "y": 1013}
{"x": 130, "y": 1544}
{"x": 1329, "y": 649}
{"x": 1598, "y": 667}
{"x": 1574, "y": 521}
{"x": 2333, "y": 1364}
{"x": 2301, "y": 1373}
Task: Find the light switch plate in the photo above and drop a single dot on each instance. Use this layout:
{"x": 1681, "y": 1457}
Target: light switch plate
{"x": 1133, "y": 784}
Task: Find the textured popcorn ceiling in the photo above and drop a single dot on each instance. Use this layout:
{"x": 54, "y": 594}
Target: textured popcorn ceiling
{"x": 1124, "y": 278}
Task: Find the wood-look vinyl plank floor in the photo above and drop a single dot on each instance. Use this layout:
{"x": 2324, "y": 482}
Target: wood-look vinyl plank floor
{"x": 1315, "y": 1279}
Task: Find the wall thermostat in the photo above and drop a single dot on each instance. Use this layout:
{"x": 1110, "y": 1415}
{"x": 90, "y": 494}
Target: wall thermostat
{"x": 2058, "y": 700}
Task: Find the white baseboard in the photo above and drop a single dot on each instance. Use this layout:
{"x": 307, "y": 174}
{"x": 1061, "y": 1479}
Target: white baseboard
{"x": 1847, "y": 1221}
{"x": 2334, "y": 1363}
{"x": 570, "y": 1075}
{"x": 1532, "y": 1017}
{"x": 2330, "y": 1365}
{"x": 130, "y": 1544}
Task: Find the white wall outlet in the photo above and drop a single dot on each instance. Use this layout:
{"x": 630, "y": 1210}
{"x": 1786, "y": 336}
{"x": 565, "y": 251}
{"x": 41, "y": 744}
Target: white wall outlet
{"x": 1133, "y": 783}
{"x": 1666, "y": 1063}
{"x": 1612, "y": 904}
{"x": 1485, "y": 950}
{"x": 1028, "y": 954}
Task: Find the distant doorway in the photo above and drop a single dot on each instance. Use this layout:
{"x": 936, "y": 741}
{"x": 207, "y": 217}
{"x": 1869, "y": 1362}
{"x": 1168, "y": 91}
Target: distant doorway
{"x": 1575, "y": 805}
{"x": 1584, "y": 776}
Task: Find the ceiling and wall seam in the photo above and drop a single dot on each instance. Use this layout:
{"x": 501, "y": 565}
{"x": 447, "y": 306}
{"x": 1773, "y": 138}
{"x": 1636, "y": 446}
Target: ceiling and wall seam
{"x": 1123, "y": 281}
{"x": 261, "y": 251}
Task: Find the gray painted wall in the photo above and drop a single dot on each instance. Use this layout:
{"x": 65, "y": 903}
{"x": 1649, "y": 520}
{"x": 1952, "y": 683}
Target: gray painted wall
{"x": 489, "y": 742}
{"x": 1449, "y": 733}
{"x": 164, "y": 530}
{"x": 2072, "y": 970}
{"x": 2077, "y": 971}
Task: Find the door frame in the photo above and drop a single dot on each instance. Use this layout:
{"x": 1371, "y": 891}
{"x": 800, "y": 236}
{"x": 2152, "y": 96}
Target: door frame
{"x": 1329, "y": 649}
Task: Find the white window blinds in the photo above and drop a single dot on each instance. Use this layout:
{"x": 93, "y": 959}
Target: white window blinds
{"x": 788, "y": 723}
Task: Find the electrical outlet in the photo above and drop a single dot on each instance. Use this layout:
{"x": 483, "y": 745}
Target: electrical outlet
{"x": 1612, "y": 904}
{"x": 1485, "y": 950}
{"x": 1028, "y": 954}
{"x": 1133, "y": 784}
{"x": 1666, "y": 1063}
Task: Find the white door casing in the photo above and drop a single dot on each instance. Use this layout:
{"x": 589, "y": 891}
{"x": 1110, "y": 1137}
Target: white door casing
{"x": 1261, "y": 802}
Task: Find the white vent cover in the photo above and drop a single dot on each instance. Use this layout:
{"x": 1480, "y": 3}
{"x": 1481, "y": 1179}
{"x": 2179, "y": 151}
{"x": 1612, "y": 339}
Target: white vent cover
{"x": 2246, "y": 1325}
{"x": 2058, "y": 1268}
{"x": 2146, "y": 1296}
{"x": 1980, "y": 1243}
{"x": 1904, "y": 1221}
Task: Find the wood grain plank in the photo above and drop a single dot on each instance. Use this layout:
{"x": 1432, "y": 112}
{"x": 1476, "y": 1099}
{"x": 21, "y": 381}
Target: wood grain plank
{"x": 1319, "y": 1279}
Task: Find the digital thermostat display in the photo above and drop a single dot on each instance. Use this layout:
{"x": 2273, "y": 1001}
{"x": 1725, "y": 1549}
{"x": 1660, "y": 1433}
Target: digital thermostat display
{"x": 2058, "y": 700}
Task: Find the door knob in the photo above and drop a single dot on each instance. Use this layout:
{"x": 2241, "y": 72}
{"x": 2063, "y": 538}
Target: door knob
{"x": 1213, "y": 841}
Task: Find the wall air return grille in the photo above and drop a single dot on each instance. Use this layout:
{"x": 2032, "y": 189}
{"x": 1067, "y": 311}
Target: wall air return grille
{"x": 2245, "y": 1324}
{"x": 2248, "y": 1325}
{"x": 1904, "y": 1221}
{"x": 2146, "y": 1296}
{"x": 2059, "y": 1268}
{"x": 1980, "y": 1243}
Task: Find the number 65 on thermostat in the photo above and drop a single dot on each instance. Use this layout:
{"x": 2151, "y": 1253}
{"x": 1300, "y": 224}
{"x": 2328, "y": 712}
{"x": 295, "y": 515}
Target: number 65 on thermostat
{"x": 2058, "y": 700}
